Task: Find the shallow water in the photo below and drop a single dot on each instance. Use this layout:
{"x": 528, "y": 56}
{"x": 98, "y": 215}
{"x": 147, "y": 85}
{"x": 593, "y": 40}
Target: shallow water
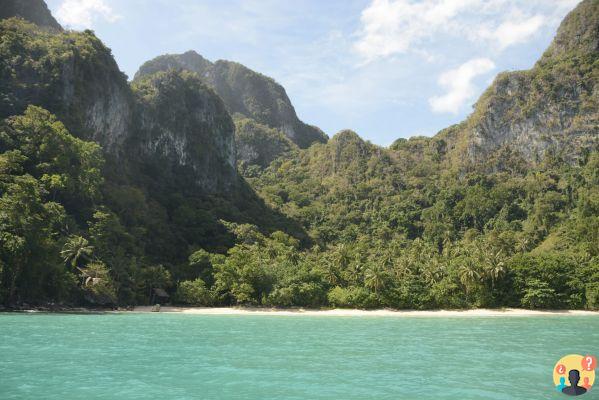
{"x": 170, "y": 356}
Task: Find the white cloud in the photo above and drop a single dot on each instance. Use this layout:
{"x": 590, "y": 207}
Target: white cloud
{"x": 460, "y": 87}
{"x": 393, "y": 26}
{"x": 509, "y": 33}
{"x": 81, "y": 14}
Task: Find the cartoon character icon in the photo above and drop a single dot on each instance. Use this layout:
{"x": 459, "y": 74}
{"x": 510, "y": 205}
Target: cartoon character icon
{"x": 562, "y": 384}
{"x": 586, "y": 383}
{"x": 574, "y": 389}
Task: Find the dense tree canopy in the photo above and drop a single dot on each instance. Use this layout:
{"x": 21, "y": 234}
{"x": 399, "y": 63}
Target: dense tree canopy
{"x": 473, "y": 217}
{"x": 382, "y": 234}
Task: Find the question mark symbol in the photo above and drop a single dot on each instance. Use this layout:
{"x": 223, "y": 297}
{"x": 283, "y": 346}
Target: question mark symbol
{"x": 560, "y": 369}
{"x": 589, "y": 363}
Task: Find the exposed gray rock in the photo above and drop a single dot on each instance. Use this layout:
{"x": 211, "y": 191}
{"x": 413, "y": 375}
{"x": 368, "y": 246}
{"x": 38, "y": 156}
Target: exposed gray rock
{"x": 258, "y": 145}
{"x": 84, "y": 89}
{"x": 34, "y": 11}
{"x": 554, "y": 106}
{"x": 244, "y": 92}
{"x": 184, "y": 126}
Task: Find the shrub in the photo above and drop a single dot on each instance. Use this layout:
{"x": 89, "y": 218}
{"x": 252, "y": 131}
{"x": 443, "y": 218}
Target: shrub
{"x": 194, "y": 293}
{"x": 350, "y": 297}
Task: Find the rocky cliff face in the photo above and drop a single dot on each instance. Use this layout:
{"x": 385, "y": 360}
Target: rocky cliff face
{"x": 258, "y": 145}
{"x": 184, "y": 127}
{"x": 170, "y": 119}
{"x": 554, "y": 106}
{"x": 244, "y": 91}
{"x": 578, "y": 32}
{"x": 72, "y": 74}
{"x": 34, "y": 11}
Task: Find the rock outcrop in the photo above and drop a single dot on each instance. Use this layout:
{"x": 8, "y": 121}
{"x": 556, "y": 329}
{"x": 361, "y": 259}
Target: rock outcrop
{"x": 184, "y": 129}
{"x": 258, "y": 145}
{"x": 170, "y": 119}
{"x": 553, "y": 106}
{"x": 244, "y": 92}
{"x": 35, "y": 11}
{"x": 71, "y": 74}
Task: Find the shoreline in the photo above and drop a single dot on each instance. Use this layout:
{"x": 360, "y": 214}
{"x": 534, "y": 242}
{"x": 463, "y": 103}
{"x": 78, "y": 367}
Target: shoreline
{"x": 298, "y": 311}
{"x": 342, "y": 312}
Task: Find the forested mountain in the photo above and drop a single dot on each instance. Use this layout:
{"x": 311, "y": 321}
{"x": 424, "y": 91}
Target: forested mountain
{"x": 198, "y": 178}
{"x": 71, "y": 74}
{"x": 163, "y": 181}
{"x": 523, "y": 114}
{"x": 245, "y": 92}
{"x": 555, "y": 105}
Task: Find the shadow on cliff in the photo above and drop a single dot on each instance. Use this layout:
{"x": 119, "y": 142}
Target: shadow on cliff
{"x": 172, "y": 215}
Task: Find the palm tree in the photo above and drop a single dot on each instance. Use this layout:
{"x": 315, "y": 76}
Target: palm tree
{"x": 469, "y": 275}
{"x": 387, "y": 258}
{"x": 293, "y": 257}
{"x": 375, "y": 278}
{"x": 495, "y": 270}
{"x": 522, "y": 243}
{"x": 494, "y": 266}
{"x": 401, "y": 269}
{"x": 433, "y": 271}
{"x": 354, "y": 272}
{"x": 342, "y": 256}
{"x": 76, "y": 248}
{"x": 330, "y": 272}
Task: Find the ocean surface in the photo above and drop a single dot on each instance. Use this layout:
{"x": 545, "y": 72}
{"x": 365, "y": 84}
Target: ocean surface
{"x": 170, "y": 356}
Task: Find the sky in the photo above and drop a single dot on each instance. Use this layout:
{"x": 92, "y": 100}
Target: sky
{"x": 383, "y": 68}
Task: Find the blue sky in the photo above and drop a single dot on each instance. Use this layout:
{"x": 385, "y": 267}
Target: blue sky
{"x": 384, "y": 68}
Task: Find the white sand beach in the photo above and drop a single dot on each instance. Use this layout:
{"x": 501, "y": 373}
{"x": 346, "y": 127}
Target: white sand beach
{"x": 339, "y": 312}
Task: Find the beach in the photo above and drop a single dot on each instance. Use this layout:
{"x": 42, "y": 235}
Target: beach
{"x": 340, "y": 312}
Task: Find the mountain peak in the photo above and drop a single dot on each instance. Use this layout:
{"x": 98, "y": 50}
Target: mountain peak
{"x": 185, "y": 124}
{"x": 190, "y": 60}
{"x": 244, "y": 92}
{"x": 578, "y": 32}
{"x": 550, "y": 108}
{"x": 345, "y": 137}
{"x": 34, "y": 11}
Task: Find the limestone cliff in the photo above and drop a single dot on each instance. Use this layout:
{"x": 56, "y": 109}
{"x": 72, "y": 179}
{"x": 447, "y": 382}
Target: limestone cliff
{"x": 258, "y": 145}
{"x": 553, "y": 106}
{"x": 34, "y": 11}
{"x": 168, "y": 118}
{"x": 244, "y": 92}
{"x": 184, "y": 127}
{"x": 72, "y": 74}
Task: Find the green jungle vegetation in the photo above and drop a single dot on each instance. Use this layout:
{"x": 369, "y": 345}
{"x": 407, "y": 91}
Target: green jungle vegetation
{"x": 338, "y": 224}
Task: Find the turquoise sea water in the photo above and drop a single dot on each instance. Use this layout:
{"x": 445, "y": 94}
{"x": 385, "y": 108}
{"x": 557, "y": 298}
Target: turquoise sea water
{"x": 169, "y": 356}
